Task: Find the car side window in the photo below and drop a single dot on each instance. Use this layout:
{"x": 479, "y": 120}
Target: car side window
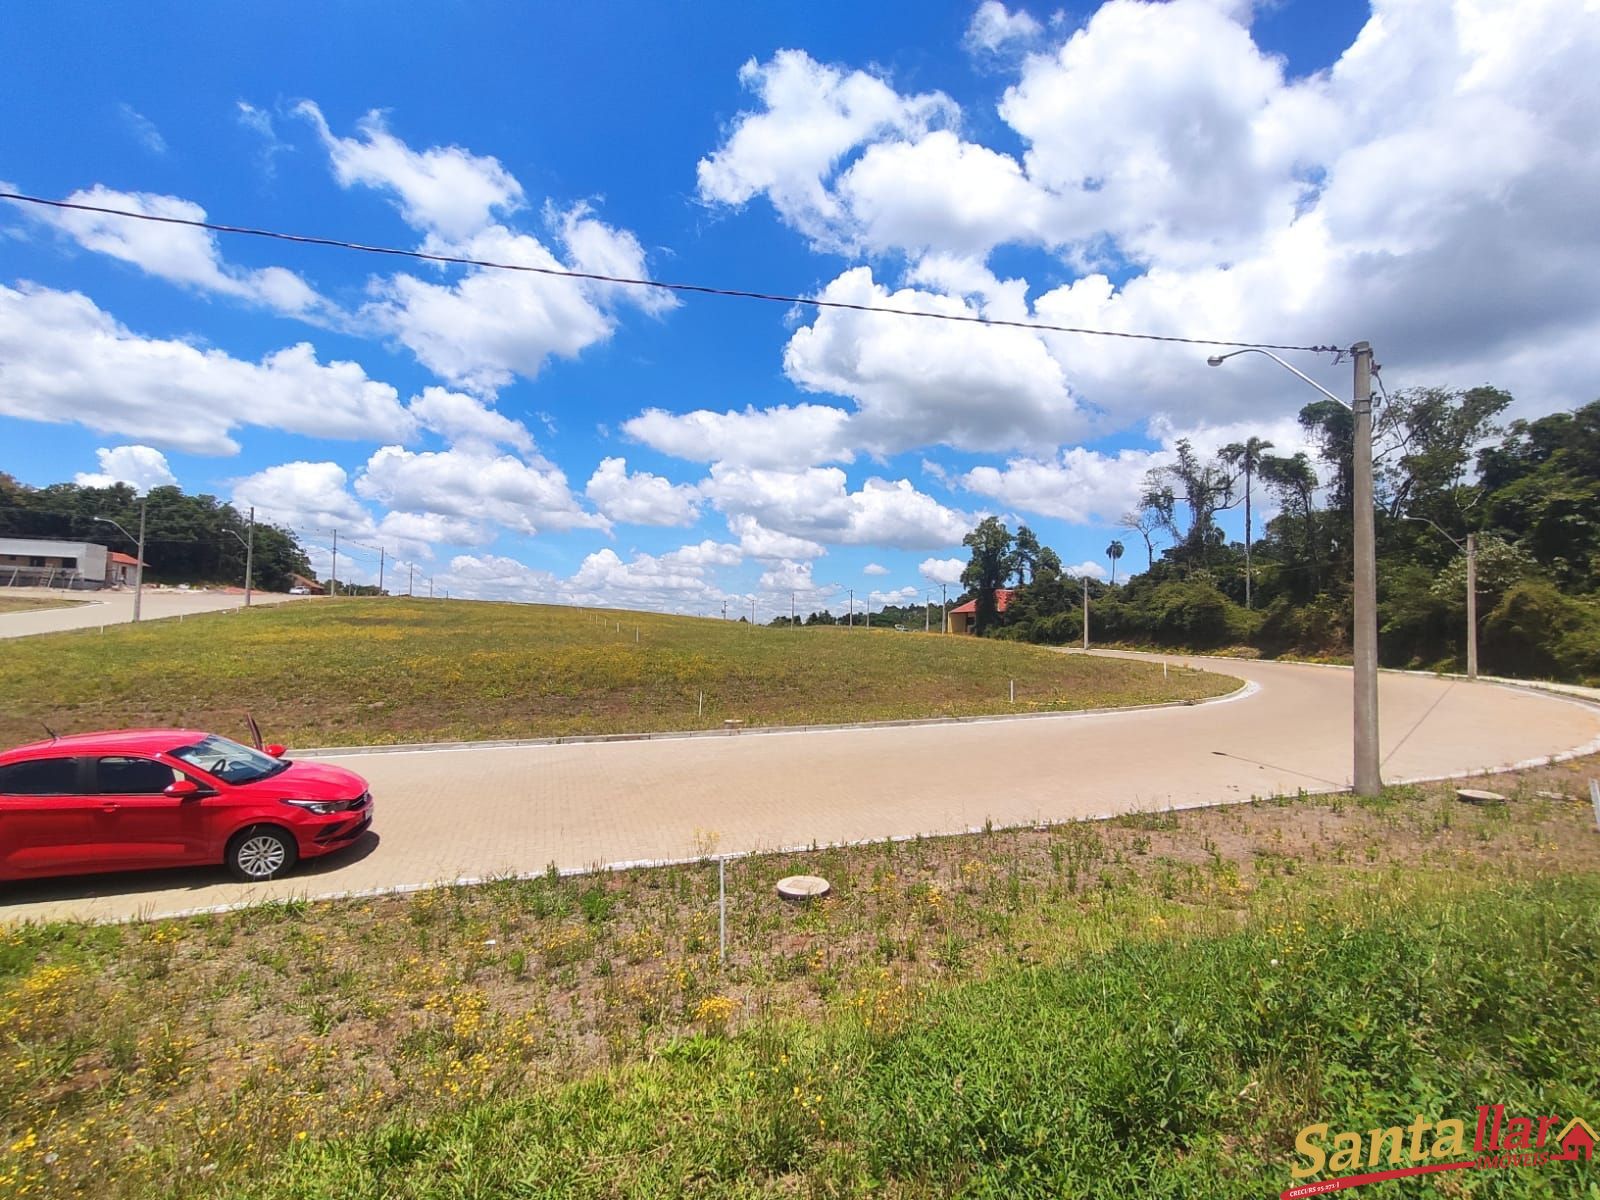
{"x": 42, "y": 777}
{"x": 124, "y": 775}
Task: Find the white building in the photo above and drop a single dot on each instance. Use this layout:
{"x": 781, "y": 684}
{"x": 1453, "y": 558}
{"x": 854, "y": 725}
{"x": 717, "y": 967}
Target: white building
{"x": 46, "y": 562}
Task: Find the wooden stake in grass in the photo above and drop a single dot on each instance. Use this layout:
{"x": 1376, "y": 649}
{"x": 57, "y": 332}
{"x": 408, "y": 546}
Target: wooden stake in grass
{"x": 1594, "y": 795}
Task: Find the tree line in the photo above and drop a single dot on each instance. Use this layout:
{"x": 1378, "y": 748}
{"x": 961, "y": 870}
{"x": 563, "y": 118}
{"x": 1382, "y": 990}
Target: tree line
{"x": 1445, "y": 467}
{"x": 188, "y": 539}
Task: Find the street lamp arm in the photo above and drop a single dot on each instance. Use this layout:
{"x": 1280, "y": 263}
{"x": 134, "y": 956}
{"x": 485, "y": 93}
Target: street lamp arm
{"x": 1216, "y": 360}
{"x": 109, "y": 521}
{"x": 1438, "y": 530}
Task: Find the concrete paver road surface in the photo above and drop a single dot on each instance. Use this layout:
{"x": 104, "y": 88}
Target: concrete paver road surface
{"x": 116, "y": 608}
{"x": 470, "y": 813}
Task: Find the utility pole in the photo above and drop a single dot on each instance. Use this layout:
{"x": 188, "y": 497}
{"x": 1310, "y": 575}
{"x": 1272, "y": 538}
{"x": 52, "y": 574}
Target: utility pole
{"x": 333, "y": 579}
{"x": 411, "y": 576}
{"x": 1085, "y": 612}
{"x": 249, "y": 557}
{"x": 138, "y": 569}
{"x": 927, "y": 611}
{"x": 724, "y": 610}
{"x": 791, "y": 609}
{"x": 944, "y": 607}
{"x": 852, "y": 624}
{"x": 380, "y": 570}
{"x": 1368, "y": 778}
{"x": 752, "y": 612}
{"x": 1472, "y": 606}
{"x": 430, "y": 587}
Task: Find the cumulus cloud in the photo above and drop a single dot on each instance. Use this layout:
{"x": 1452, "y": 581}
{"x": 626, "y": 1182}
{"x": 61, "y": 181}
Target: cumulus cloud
{"x": 812, "y": 116}
{"x": 64, "y": 359}
{"x": 757, "y": 541}
{"x": 641, "y": 498}
{"x": 816, "y": 505}
{"x": 142, "y": 467}
{"x": 444, "y": 190}
{"x": 475, "y": 483}
{"x": 920, "y": 383}
{"x": 180, "y": 254}
{"x": 460, "y": 418}
{"x": 994, "y": 29}
{"x": 784, "y": 578}
{"x": 682, "y": 580}
{"x": 1088, "y": 567}
{"x": 312, "y": 497}
{"x": 799, "y": 435}
{"x": 942, "y": 570}
{"x": 874, "y": 569}
{"x": 142, "y": 128}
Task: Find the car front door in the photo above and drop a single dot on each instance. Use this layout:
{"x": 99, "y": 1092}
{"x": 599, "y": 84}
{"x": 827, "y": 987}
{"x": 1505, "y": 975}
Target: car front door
{"x": 46, "y": 817}
{"x": 137, "y": 823}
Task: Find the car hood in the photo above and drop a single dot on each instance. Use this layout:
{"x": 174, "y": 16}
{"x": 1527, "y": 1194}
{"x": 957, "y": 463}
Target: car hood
{"x": 313, "y": 781}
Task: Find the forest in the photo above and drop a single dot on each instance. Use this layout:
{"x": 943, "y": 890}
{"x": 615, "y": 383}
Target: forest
{"x": 188, "y": 539}
{"x": 1446, "y": 466}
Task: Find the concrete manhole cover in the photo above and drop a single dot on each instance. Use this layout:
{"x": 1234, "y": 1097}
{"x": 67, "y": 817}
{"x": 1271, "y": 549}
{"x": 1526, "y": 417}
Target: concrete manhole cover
{"x": 1479, "y": 796}
{"x": 802, "y": 887}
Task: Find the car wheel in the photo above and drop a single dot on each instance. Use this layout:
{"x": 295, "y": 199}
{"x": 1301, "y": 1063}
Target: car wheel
{"x": 260, "y": 854}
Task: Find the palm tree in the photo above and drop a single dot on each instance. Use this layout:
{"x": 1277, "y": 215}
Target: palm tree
{"x": 1114, "y": 552}
{"x": 1246, "y": 455}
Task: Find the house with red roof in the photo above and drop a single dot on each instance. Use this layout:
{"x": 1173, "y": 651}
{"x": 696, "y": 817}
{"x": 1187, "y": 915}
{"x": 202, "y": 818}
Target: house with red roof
{"x": 1576, "y": 1140}
{"x": 964, "y": 617}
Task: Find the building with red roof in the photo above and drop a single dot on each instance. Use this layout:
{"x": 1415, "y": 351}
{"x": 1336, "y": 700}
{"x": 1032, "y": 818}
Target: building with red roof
{"x": 964, "y": 617}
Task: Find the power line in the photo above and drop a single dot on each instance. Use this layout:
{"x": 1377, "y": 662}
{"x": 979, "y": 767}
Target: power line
{"x": 663, "y": 285}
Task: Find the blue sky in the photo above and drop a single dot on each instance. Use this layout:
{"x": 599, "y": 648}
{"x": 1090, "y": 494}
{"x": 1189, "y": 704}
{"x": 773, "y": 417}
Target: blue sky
{"x": 1298, "y": 172}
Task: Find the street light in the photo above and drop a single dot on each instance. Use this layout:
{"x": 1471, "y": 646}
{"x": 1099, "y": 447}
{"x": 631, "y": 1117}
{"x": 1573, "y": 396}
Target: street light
{"x": 249, "y": 553}
{"x": 138, "y": 569}
{"x": 1470, "y": 548}
{"x": 1368, "y": 780}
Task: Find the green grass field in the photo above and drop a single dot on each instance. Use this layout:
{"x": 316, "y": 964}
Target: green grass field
{"x": 15, "y": 604}
{"x": 1151, "y": 1006}
{"x": 380, "y": 671}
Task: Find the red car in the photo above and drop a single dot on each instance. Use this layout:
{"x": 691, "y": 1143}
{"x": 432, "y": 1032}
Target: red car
{"x": 170, "y": 798}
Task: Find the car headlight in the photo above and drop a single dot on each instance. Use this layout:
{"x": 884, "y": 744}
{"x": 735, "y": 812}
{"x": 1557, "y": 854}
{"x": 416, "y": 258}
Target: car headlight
{"x": 321, "y": 807}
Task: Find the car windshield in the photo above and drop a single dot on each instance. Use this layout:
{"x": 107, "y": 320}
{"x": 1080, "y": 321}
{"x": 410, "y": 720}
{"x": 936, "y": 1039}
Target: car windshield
{"x": 229, "y": 761}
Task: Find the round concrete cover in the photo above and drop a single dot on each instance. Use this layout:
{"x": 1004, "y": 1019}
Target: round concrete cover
{"x": 802, "y": 887}
{"x": 1478, "y": 796}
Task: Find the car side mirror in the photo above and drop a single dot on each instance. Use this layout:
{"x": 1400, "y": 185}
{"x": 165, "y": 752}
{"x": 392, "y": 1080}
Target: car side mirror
{"x": 275, "y": 750}
{"x": 185, "y": 789}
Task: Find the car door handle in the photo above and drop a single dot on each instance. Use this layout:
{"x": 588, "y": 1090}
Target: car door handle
{"x": 108, "y": 807}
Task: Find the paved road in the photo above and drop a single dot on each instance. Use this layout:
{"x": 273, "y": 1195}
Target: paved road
{"x": 472, "y": 813}
{"x": 115, "y": 608}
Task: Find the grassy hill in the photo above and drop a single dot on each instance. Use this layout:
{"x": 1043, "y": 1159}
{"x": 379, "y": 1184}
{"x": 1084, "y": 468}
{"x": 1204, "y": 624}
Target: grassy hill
{"x": 343, "y": 672}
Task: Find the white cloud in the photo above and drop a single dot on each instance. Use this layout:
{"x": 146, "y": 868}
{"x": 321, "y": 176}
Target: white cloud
{"x": 813, "y": 116}
{"x": 63, "y": 359}
{"x": 1078, "y": 485}
{"x": 444, "y": 190}
{"x": 942, "y": 570}
{"x": 816, "y": 505}
{"x": 143, "y": 129}
{"x": 799, "y": 435}
{"x": 994, "y": 29}
{"x": 491, "y": 326}
{"x": 474, "y": 483}
{"x": 419, "y": 534}
{"x": 786, "y": 577}
{"x": 180, "y": 254}
{"x": 312, "y": 497}
{"x": 641, "y": 498}
{"x": 143, "y": 467}
{"x": 874, "y": 569}
{"x": 921, "y": 382}
{"x": 757, "y": 541}
{"x": 460, "y": 418}
{"x": 259, "y": 122}
{"x": 1089, "y": 567}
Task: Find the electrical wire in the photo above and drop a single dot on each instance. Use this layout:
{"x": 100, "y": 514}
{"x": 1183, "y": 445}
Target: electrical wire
{"x": 662, "y": 285}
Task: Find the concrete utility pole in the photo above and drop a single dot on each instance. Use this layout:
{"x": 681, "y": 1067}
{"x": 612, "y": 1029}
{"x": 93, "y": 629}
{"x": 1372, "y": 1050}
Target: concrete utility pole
{"x": 249, "y": 558}
{"x": 430, "y": 587}
{"x": 381, "y": 553}
{"x": 333, "y": 577}
{"x": 1368, "y": 777}
{"x": 852, "y": 624}
{"x": 1472, "y": 606}
{"x": 1366, "y": 773}
{"x": 138, "y": 569}
{"x": 1085, "y": 612}
{"x": 944, "y": 607}
{"x": 411, "y": 577}
{"x": 791, "y": 608}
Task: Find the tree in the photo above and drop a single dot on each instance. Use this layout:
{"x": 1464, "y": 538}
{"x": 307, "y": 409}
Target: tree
{"x": 1206, "y": 489}
{"x": 1114, "y": 552}
{"x": 1295, "y": 482}
{"x": 1025, "y": 555}
{"x": 1246, "y": 455}
{"x": 1145, "y": 524}
{"x": 988, "y": 569}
